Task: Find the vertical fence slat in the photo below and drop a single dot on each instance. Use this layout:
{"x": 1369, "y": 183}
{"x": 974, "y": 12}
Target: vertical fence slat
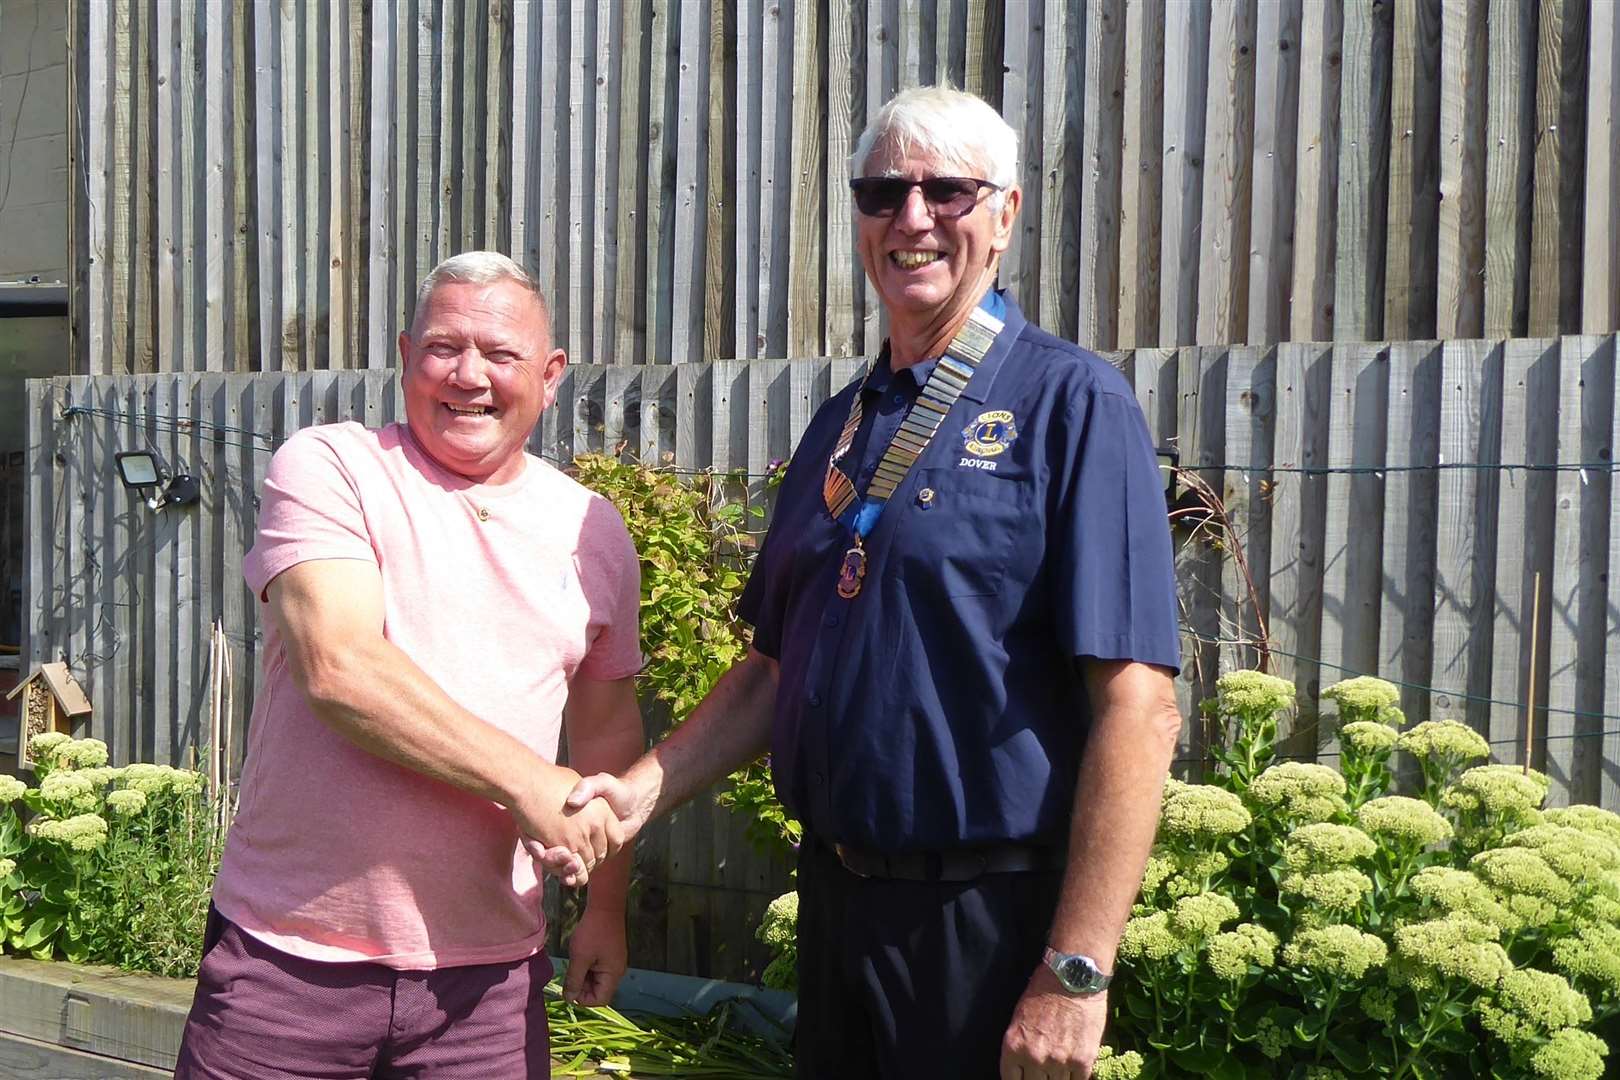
{"x": 1063, "y": 68}
{"x": 1316, "y": 197}
{"x": 1600, "y": 285}
{"x": 1414, "y": 179}
{"x": 1358, "y": 309}
{"x": 1096, "y": 323}
{"x": 1223, "y": 270}
{"x": 846, "y": 106}
{"x": 1608, "y": 747}
{"x": 1560, "y": 65}
{"x": 1561, "y": 598}
{"x": 629, "y": 305}
{"x": 1461, "y": 293}
{"x": 1141, "y": 180}
{"x": 1276, "y": 122}
{"x": 806, "y": 200}
{"x": 1186, "y": 56}
{"x": 720, "y": 187}
{"x": 1406, "y": 642}
{"x": 1509, "y": 154}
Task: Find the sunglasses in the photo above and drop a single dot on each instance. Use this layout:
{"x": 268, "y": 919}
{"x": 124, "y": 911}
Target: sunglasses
{"x": 946, "y": 196}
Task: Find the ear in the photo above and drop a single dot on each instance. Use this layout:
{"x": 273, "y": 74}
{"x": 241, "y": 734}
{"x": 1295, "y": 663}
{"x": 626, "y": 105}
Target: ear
{"x": 1011, "y": 200}
{"x": 551, "y": 373}
{"x": 404, "y": 351}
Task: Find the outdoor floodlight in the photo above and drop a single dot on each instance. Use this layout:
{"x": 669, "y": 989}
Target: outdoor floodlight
{"x": 143, "y": 470}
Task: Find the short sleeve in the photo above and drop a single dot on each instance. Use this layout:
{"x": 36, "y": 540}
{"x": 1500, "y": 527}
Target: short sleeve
{"x": 759, "y": 607}
{"x": 611, "y": 571}
{"x": 309, "y": 509}
{"x": 1116, "y": 590}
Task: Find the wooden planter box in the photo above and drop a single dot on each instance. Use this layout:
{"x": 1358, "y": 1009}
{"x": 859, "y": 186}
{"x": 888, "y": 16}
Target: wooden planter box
{"x": 73, "y": 1022}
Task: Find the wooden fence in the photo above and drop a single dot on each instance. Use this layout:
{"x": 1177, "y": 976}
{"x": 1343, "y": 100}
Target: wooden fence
{"x": 1396, "y": 503}
{"x": 261, "y": 184}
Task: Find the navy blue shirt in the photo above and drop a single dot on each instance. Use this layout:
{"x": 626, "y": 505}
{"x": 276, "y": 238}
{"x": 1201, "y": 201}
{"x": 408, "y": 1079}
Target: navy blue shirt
{"x": 942, "y": 706}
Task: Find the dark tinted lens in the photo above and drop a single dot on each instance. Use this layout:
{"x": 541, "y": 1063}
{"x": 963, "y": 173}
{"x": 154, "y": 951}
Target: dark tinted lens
{"x": 950, "y": 196}
{"x": 879, "y": 195}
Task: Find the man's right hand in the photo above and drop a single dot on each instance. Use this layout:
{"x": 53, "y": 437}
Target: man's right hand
{"x": 630, "y": 804}
{"x": 571, "y": 839}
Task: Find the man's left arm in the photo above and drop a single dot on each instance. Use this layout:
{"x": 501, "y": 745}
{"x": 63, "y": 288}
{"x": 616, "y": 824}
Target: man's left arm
{"x": 603, "y": 722}
{"x": 1134, "y": 728}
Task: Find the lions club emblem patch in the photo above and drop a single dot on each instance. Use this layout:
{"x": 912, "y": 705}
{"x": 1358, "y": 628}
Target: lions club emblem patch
{"x": 990, "y": 434}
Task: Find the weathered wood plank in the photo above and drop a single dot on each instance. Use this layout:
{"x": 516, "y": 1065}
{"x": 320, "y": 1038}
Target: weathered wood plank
{"x": 1555, "y": 226}
{"x": 1358, "y": 310}
{"x": 1276, "y": 125}
{"x": 1600, "y": 287}
{"x": 775, "y": 183}
{"x": 1414, "y": 178}
{"x": 1607, "y": 748}
{"x": 846, "y": 106}
{"x": 629, "y": 343}
{"x": 1460, "y": 301}
{"x": 1020, "y": 107}
{"x": 1509, "y": 154}
{"x": 806, "y": 320}
{"x": 1186, "y": 56}
{"x": 1142, "y": 176}
{"x": 1316, "y": 197}
{"x": 1223, "y": 269}
{"x": 1412, "y": 449}
{"x": 687, "y": 305}
{"x": 720, "y": 186}
{"x": 1096, "y": 323}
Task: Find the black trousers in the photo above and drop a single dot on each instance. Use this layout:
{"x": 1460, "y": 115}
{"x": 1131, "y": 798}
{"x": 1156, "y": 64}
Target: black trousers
{"x": 907, "y": 980}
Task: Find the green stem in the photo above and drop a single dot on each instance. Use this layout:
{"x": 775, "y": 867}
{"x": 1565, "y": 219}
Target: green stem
{"x": 1327, "y": 1016}
{"x": 1428, "y": 1032}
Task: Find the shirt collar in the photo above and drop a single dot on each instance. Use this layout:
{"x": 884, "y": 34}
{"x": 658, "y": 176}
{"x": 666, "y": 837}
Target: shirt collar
{"x": 1000, "y": 304}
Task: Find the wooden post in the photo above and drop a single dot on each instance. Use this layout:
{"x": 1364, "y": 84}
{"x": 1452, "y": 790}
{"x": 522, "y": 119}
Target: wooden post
{"x": 1530, "y": 712}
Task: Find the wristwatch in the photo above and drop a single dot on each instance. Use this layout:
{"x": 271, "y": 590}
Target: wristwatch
{"x": 1078, "y": 973}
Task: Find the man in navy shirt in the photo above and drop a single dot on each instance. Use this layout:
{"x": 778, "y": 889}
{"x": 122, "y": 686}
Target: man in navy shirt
{"x": 965, "y": 635}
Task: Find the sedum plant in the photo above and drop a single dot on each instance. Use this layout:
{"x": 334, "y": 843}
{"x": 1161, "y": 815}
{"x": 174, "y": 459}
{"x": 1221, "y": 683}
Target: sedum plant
{"x": 1302, "y": 921}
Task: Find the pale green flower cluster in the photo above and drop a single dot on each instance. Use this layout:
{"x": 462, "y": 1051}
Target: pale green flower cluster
{"x": 1325, "y": 846}
{"x": 80, "y": 754}
{"x": 1447, "y": 739}
{"x": 6, "y": 868}
{"x": 1524, "y": 881}
{"x": 1195, "y": 918}
{"x": 43, "y": 745}
{"x": 11, "y": 789}
{"x": 780, "y": 924}
{"x": 1404, "y": 821}
{"x": 1588, "y": 819}
{"x": 1592, "y": 955}
{"x": 70, "y": 791}
{"x": 1149, "y": 937}
{"x": 1332, "y": 894}
{"x": 1112, "y": 1066}
{"x": 1460, "y": 892}
{"x": 1369, "y": 736}
{"x": 100, "y": 775}
{"x": 1498, "y": 790}
{"x": 1570, "y": 1055}
{"x": 1365, "y": 696}
{"x": 158, "y": 779}
{"x": 1231, "y": 953}
{"x": 126, "y": 802}
{"x": 1455, "y": 947}
{"x": 1202, "y": 813}
{"x": 1253, "y": 692}
{"x": 1301, "y": 791}
{"x": 1324, "y": 1072}
{"x": 1337, "y": 952}
{"x": 82, "y": 832}
{"x": 1572, "y": 853}
{"x": 1532, "y": 1004}
{"x": 1378, "y": 1002}
{"x": 1182, "y": 873}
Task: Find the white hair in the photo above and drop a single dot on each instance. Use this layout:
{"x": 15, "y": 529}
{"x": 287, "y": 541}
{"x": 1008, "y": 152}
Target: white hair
{"x": 477, "y": 268}
{"x": 948, "y": 124}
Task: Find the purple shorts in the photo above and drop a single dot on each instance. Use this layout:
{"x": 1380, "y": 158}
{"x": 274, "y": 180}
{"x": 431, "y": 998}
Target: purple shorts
{"x": 261, "y": 1014}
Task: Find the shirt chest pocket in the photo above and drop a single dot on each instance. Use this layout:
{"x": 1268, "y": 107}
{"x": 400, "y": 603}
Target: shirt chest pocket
{"x": 960, "y": 531}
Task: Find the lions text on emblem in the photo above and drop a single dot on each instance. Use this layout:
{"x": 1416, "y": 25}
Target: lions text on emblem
{"x": 990, "y": 434}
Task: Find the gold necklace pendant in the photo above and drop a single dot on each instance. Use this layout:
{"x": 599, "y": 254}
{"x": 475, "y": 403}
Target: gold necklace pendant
{"x": 851, "y": 571}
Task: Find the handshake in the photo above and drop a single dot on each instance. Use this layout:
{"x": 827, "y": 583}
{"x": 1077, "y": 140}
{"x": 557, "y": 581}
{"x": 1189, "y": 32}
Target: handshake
{"x": 600, "y": 815}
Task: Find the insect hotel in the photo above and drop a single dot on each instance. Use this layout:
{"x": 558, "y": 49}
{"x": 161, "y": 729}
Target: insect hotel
{"x": 52, "y": 700}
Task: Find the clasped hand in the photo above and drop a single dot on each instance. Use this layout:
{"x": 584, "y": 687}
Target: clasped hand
{"x": 599, "y": 817}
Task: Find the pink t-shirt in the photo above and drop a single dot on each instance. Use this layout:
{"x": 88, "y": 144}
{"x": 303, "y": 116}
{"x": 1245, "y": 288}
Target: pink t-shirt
{"x": 502, "y": 594}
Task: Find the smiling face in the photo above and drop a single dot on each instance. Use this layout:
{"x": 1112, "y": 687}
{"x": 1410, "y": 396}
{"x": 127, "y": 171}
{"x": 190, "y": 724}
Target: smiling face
{"x": 928, "y": 270}
{"x": 478, "y": 371}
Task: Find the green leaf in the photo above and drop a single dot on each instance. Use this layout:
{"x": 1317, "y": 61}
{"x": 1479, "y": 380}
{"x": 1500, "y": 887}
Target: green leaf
{"x": 39, "y": 931}
{"x": 1348, "y": 1050}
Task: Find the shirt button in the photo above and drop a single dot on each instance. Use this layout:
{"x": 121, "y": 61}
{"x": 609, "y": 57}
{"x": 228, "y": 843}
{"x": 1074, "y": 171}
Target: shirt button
{"x": 899, "y": 399}
{"x": 832, "y": 620}
{"x": 483, "y": 513}
{"x": 925, "y": 498}
{"x": 821, "y": 778}
{"x": 815, "y": 701}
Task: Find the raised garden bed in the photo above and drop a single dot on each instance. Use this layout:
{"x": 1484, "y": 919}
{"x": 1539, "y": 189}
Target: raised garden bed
{"x": 78, "y": 1022}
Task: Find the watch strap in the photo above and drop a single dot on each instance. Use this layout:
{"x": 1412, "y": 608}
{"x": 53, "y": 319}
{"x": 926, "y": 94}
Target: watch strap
{"x": 1095, "y": 983}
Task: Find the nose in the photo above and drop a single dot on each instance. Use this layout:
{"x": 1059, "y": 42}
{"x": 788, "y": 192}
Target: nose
{"x": 469, "y": 369}
{"x": 914, "y": 215}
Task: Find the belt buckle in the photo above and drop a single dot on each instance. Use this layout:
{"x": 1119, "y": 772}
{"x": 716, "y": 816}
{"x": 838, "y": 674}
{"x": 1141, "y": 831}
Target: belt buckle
{"x": 839, "y": 850}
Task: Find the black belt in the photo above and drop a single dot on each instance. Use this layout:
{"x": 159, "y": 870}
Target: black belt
{"x": 962, "y": 865}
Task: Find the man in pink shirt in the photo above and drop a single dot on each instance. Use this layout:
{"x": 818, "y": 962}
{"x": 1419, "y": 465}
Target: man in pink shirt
{"x": 435, "y": 597}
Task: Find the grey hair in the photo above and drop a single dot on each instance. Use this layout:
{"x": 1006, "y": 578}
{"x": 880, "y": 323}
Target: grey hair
{"x": 949, "y": 124}
{"x": 477, "y": 268}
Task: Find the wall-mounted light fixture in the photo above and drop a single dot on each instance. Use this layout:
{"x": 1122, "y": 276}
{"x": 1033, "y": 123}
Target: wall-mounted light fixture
{"x": 144, "y": 471}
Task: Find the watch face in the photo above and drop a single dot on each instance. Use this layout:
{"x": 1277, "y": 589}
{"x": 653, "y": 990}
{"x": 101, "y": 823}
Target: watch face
{"x": 1075, "y": 974}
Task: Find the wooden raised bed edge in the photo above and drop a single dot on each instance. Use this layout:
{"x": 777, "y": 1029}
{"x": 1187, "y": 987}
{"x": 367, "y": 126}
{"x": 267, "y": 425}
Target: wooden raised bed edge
{"x": 75, "y": 1022}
